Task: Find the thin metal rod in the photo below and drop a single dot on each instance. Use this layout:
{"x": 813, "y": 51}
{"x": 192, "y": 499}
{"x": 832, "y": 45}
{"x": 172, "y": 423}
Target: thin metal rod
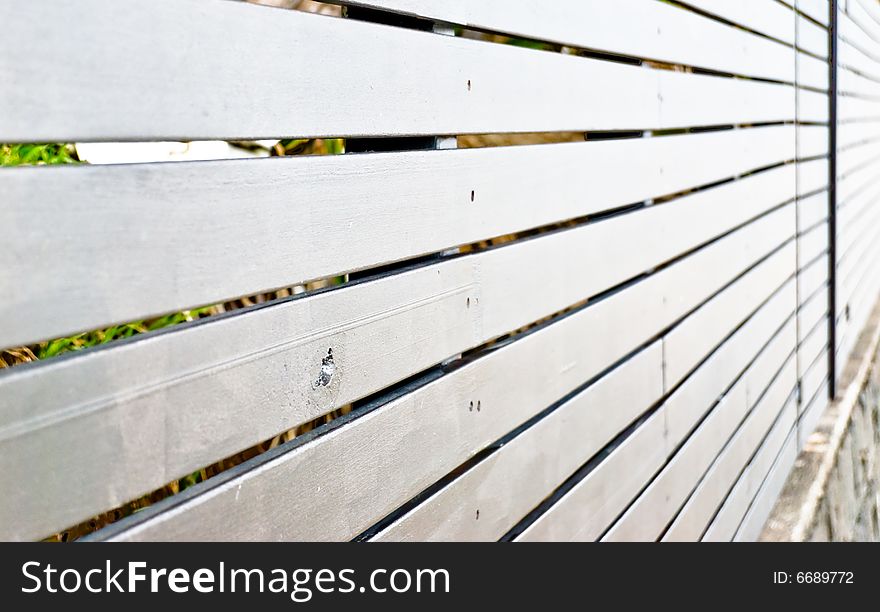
{"x": 832, "y": 201}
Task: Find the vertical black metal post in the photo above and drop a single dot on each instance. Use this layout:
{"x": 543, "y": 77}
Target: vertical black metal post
{"x": 832, "y": 200}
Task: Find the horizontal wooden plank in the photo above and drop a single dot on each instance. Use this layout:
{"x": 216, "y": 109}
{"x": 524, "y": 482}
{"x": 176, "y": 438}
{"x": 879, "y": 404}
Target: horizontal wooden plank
{"x": 816, "y": 9}
{"x": 857, "y": 285}
{"x": 856, "y": 50}
{"x": 857, "y": 289}
{"x": 812, "y": 313}
{"x": 583, "y": 512}
{"x": 159, "y": 384}
{"x": 813, "y": 277}
{"x": 812, "y": 243}
{"x": 770, "y": 18}
{"x": 855, "y": 232}
{"x": 696, "y": 515}
{"x": 766, "y": 497}
{"x": 430, "y": 519}
{"x": 857, "y": 296}
{"x": 855, "y": 161}
{"x": 812, "y": 141}
{"x": 405, "y": 445}
{"x": 865, "y": 15}
{"x": 640, "y": 28}
{"x": 850, "y": 134}
{"x": 368, "y": 210}
{"x": 586, "y": 510}
{"x": 813, "y": 360}
{"x": 812, "y": 106}
{"x": 687, "y": 345}
{"x": 858, "y": 108}
{"x": 656, "y": 507}
{"x": 386, "y": 81}
{"x": 812, "y": 175}
{"x": 811, "y": 415}
{"x": 813, "y": 209}
{"x": 816, "y": 374}
{"x": 851, "y": 83}
{"x": 812, "y": 37}
{"x": 685, "y": 407}
{"x": 851, "y": 33}
{"x": 812, "y": 72}
{"x": 729, "y": 516}
{"x": 490, "y": 498}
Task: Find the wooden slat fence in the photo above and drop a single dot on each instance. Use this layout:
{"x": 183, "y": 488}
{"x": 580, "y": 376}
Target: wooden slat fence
{"x": 626, "y": 337}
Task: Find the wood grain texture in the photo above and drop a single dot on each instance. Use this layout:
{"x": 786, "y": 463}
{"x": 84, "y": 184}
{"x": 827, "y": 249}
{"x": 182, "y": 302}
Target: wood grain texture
{"x": 816, "y": 9}
{"x": 405, "y": 452}
{"x": 585, "y": 511}
{"x": 698, "y": 512}
{"x": 735, "y": 506}
{"x": 769, "y": 18}
{"x": 202, "y": 232}
{"x": 490, "y": 498}
{"x": 135, "y": 78}
{"x": 167, "y": 386}
{"x": 640, "y": 28}
{"x": 768, "y": 493}
{"x": 658, "y": 505}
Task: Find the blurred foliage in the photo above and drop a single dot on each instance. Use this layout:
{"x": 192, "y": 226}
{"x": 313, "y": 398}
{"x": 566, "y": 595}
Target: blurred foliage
{"x": 310, "y": 146}
{"x": 116, "y": 332}
{"x": 37, "y": 154}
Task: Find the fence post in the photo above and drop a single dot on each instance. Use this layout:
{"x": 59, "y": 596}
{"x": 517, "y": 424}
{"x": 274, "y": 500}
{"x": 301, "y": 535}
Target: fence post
{"x": 832, "y": 200}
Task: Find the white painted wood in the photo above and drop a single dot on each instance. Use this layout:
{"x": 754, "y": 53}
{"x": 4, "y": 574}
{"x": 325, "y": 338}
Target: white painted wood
{"x": 851, "y": 83}
{"x": 811, "y": 314}
{"x": 850, "y": 32}
{"x": 812, "y": 72}
{"x": 163, "y": 390}
{"x": 697, "y": 513}
{"x": 686, "y": 406}
{"x": 770, "y": 18}
{"x": 813, "y": 277}
{"x": 132, "y": 79}
{"x": 688, "y": 344}
{"x": 812, "y": 37}
{"x": 812, "y": 106}
{"x": 816, "y": 375}
{"x": 729, "y": 516}
{"x": 585, "y": 511}
{"x": 856, "y": 235}
{"x": 763, "y": 503}
{"x": 856, "y": 50}
{"x": 860, "y": 14}
{"x": 854, "y": 172}
{"x": 398, "y": 447}
{"x": 813, "y": 210}
{"x": 433, "y": 516}
{"x": 812, "y": 243}
{"x": 266, "y": 216}
{"x": 856, "y": 278}
{"x": 640, "y": 28}
{"x": 656, "y": 507}
{"x": 851, "y": 134}
{"x": 857, "y": 291}
{"x": 488, "y": 500}
{"x": 812, "y": 175}
{"x": 858, "y": 283}
{"x": 816, "y": 9}
{"x": 812, "y": 141}
{"x": 810, "y": 418}
{"x": 858, "y": 108}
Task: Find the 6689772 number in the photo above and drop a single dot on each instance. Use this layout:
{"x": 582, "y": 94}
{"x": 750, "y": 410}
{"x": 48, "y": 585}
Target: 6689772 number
{"x": 817, "y": 577}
